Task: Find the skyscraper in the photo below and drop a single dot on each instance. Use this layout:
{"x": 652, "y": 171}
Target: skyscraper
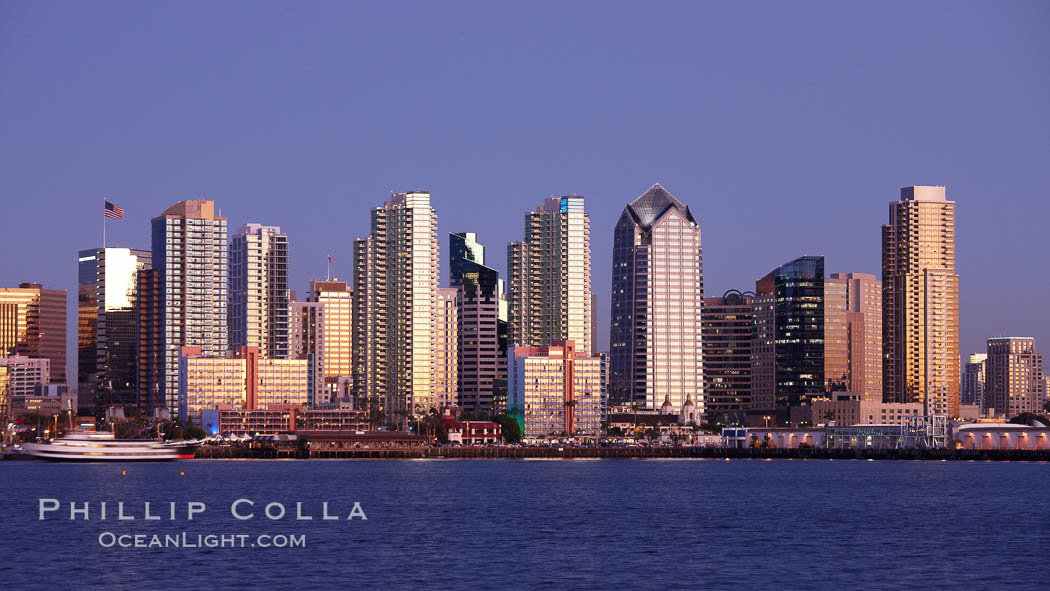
{"x": 550, "y": 276}
{"x": 190, "y": 254}
{"x": 306, "y": 341}
{"x": 655, "y": 333}
{"x": 973, "y": 380}
{"x": 446, "y": 347}
{"x": 920, "y": 303}
{"x": 108, "y": 326}
{"x": 259, "y": 293}
{"x": 482, "y": 347}
{"x": 395, "y": 296}
{"x": 1015, "y": 377}
{"x": 862, "y": 295}
{"x": 334, "y": 348}
{"x": 836, "y": 336}
{"x": 728, "y": 332}
{"x": 793, "y": 320}
{"x": 33, "y": 324}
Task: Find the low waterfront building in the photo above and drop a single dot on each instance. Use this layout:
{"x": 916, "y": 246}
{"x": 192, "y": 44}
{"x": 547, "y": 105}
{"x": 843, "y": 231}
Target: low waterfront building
{"x": 279, "y": 420}
{"x": 772, "y": 437}
{"x": 1001, "y": 436}
{"x": 849, "y": 408}
{"x": 36, "y": 405}
{"x": 242, "y": 381}
{"x": 471, "y": 432}
{"x": 864, "y": 436}
{"x": 555, "y": 391}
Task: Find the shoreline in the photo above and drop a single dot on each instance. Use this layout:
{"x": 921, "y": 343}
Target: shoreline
{"x": 594, "y": 453}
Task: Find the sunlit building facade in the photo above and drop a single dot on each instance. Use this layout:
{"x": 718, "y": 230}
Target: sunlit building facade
{"x": 557, "y": 391}
{"x": 1015, "y": 377}
{"x": 446, "y": 347}
{"x": 331, "y": 334}
{"x": 550, "y": 276}
{"x": 920, "y": 303}
{"x": 655, "y": 336}
{"x": 395, "y": 301}
{"x": 190, "y": 254}
{"x": 24, "y": 374}
{"x": 108, "y": 326}
{"x": 33, "y": 324}
{"x": 836, "y": 336}
{"x": 259, "y": 295}
{"x": 861, "y": 296}
{"x": 242, "y": 380}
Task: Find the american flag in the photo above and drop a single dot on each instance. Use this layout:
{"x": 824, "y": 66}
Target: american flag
{"x": 112, "y": 211}
{"x": 330, "y": 259}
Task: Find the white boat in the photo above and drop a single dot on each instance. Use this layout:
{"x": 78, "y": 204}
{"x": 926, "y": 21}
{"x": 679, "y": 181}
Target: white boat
{"x": 100, "y": 446}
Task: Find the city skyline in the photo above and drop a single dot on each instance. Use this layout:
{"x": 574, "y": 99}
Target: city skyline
{"x": 773, "y": 165}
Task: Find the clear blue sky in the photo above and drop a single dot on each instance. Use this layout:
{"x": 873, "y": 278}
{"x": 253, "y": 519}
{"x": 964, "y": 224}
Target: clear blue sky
{"x": 786, "y": 126}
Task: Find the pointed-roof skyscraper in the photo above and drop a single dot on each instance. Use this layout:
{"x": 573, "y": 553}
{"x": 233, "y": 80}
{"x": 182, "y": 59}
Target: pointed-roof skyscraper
{"x": 657, "y": 296}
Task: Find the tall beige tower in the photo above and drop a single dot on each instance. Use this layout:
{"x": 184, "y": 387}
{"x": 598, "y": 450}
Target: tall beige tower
{"x": 550, "y": 276}
{"x": 332, "y": 334}
{"x": 446, "y": 341}
{"x": 920, "y": 301}
{"x": 862, "y": 299}
{"x": 395, "y": 304}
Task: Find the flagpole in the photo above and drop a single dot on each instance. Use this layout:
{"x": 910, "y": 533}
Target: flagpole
{"x": 103, "y": 222}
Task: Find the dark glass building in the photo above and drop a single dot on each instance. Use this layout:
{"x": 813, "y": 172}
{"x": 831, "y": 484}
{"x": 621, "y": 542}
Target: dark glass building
{"x": 482, "y": 345}
{"x": 797, "y": 291}
{"x": 728, "y": 330}
{"x": 108, "y": 326}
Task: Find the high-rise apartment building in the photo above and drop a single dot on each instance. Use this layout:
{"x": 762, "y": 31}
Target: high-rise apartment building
{"x": 395, "y": 300}
{"x": 108, "y": 326}
{"x": 556, "y": 390}
{"x": 789, "y": 319}
{"x": 973, "y": 380}
{"x": 258, "y": 308}
{"x": 860, "y": 295}
{"x": 920, "y": 303}
{"x": 728, "y": 333}
{"x": 655, "y": 335}
{"x": 33, "y": 324}
{"x": 550, "y": 276}
{"x": 763, "y": 357}
{"x": 190, "y": 255}
{"x": 306, "y": 341}
{"x": 446, "y": 347}
{"x": 482, "y": 344}
{"x": 1015, "y": 377}
{"x": 836, "y": 336}
{"x": 334, "y": 352}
